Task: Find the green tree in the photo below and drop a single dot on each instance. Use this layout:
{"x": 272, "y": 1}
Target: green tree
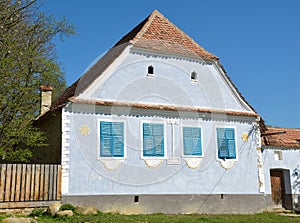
{"x": 28, "y": 60}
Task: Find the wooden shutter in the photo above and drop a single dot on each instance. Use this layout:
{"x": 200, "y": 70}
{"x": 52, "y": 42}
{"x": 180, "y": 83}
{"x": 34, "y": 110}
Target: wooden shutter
{"x": 230, "y": 143}
{"x": 105, "y": 139}
{"x": 226, "y": 143}
{"x": 192, "y": 141}
{"x": 153, "y": 139}
{"x": 118, "y": 139}
{"x": 111, "y": 139}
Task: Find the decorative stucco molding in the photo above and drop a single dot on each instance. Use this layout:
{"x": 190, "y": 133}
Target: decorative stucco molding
{"x": 227, "y": 164}
{"x": 260, "y": 161}
{"x": 245, "y": 137}
{"x": 111, "y": 164}
{"x": 261, "y": 175}
{"x": 65, "y": 151}
{"x": 193, "y": 162}
{"x": 153, "y": 163}
{"x": 84, "y": 130}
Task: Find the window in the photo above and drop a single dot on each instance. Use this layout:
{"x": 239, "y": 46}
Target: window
{"x": 192, "y": 145}
{"x": 226, "y": 143}
{"x": 194, "y": 76}
{"x": 111, "y": 139}
{"x": 278, "y": 155}
{"x": 153, "y": 140}
{"x": 151, "y": 70}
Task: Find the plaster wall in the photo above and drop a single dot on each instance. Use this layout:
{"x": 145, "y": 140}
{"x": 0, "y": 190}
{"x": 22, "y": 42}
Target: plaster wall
{"x": 171, "y": 84}
{"x": 86, "y": 174}
{"x": 290, "y": 161}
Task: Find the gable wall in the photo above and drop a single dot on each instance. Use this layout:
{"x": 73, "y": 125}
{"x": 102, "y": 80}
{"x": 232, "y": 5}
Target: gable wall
{"x": 127, "y": 80}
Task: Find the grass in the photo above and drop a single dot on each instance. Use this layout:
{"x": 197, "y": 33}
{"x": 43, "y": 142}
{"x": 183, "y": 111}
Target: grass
{"x": 162, "y": 218}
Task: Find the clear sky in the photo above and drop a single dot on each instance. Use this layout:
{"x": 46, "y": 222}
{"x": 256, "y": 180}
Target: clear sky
{"x": 257, "y": 41}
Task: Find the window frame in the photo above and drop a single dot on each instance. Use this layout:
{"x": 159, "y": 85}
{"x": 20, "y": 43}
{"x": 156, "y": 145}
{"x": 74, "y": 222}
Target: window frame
{"x": 99, "y": 139}
{"x": 142, "y": 140}
{"x": 201, "y": 135}
{"x": 235, "y": 142}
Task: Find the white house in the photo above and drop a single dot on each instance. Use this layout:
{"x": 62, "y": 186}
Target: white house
{"x": 156, "y": 125}
{"x": 281, "y": 155}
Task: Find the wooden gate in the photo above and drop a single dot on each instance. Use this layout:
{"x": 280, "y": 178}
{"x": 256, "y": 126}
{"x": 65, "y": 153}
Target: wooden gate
{"x": 24, "y": 185}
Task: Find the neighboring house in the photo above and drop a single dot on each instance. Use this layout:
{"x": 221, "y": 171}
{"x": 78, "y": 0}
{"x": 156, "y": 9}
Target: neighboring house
{"x": 156, "y": 125}
{"x": 281, "y": 155}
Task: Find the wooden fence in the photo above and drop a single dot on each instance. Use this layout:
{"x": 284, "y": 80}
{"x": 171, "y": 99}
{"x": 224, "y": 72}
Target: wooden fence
{"x": 29, "y": 183}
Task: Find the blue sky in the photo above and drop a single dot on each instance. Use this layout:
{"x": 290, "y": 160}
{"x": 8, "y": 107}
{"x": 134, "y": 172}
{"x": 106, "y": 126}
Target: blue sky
{"x": 257, "y": 41}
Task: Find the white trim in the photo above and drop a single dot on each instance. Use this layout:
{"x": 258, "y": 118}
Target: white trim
{"x": 111, "y": 119}
{"x": 196, "y": 125}
{"x": 163, "y": 122}
{"x": 65, "y": 151}
{"x": 235, "y": 141}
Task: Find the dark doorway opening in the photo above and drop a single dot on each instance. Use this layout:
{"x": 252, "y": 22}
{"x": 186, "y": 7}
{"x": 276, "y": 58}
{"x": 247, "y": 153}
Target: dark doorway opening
{"x": 281, "y": 188}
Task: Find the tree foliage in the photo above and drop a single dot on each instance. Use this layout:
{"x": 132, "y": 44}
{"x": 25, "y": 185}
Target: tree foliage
{"x": 27, "y": 60}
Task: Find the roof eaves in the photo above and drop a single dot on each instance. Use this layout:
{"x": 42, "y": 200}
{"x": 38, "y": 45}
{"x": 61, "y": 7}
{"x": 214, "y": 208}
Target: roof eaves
{"x": 161, "y": 107}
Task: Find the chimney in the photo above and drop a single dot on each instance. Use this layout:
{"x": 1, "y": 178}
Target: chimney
{"x": 46, "y": 97}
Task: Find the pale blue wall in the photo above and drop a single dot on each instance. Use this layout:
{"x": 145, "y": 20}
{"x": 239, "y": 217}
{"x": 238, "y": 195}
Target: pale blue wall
{"x": 87, "y": 175}
{"x": 171, "y": 84}
{"x": 290, "y": 161}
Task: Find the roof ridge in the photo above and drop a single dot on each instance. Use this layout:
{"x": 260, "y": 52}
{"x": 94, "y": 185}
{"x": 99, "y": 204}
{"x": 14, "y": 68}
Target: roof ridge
{"x": 165, "y": 36}
{"x": 145, "y": 26}
{"x": 278, "y": 127}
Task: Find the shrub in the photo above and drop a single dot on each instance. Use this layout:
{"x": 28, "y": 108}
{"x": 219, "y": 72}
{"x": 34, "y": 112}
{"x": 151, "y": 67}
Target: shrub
{"x": 37, "y": 212}
{"x": 67, "y": 207}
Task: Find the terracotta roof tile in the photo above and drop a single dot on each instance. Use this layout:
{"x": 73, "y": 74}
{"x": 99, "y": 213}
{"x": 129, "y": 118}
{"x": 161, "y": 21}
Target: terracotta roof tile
{"x": 281, "y": 137}
{"x": 159, "y": 34}
{"x": 155, "y": 33}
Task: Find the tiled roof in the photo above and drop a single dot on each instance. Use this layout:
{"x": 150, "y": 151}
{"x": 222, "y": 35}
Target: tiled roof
{"x": 155, "y": 33}
{"x": 159, "y": 34}
{"x": 281, "y": 138}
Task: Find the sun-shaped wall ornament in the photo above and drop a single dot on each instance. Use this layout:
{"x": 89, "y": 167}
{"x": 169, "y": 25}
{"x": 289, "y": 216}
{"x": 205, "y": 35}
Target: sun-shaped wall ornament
{"x": 245, "y": 137}
{"x": 84, "y": 130}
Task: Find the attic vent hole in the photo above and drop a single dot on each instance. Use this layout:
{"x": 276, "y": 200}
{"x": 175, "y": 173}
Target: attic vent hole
{"x": 151, "y": 70}
{"x": 194, "y": 76}
{"x": 136, "y": 199}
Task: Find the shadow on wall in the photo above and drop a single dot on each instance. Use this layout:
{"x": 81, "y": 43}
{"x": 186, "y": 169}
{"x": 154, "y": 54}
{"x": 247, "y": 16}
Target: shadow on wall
{"x": 296, "y": 188}
{"x": 296, "y": 180}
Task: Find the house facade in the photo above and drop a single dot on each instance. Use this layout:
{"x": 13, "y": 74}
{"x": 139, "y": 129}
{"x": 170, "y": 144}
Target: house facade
{"x": 281, "y": 155}
{"x": 156, "y": 125}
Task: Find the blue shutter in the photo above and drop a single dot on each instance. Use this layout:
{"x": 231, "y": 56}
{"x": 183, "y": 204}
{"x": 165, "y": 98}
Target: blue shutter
{"x": 231, "y": 149}
{"x": 146, "y": 129}
{"x": 111, "y": 139}
{"x": 105, "y": 142}
{"x": 147, "y": 146}
{"x": 230, "y": 143}
{"x": 159, "y": 146}
{"x": 153, "y": 139}
{"x": 226, "y": 143}
{"x": 192, "y": 141}
{"x": 105, "y": 148}
{"x": 197, "y": 142}
{"x": 158, "y": 133}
